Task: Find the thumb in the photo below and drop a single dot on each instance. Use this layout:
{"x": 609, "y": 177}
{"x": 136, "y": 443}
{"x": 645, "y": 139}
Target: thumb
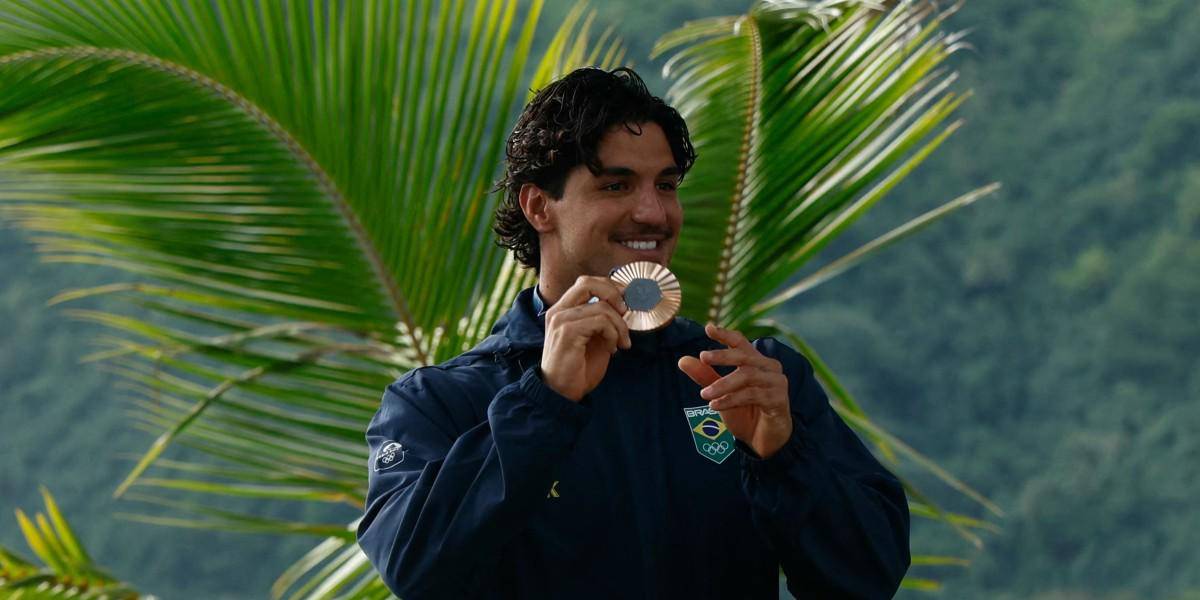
{"x": 701, "y": 373}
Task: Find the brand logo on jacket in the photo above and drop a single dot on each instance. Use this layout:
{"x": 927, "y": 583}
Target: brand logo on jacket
{"x": 390, "y": 455}
{"x": 713, "y": 439}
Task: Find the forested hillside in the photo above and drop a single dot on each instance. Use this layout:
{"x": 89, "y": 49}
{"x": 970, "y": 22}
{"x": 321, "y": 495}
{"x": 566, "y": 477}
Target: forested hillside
{"x": 1043, "y": 344}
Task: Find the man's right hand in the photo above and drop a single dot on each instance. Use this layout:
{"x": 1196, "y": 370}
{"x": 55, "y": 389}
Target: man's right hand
{"x": 581, "y": 337}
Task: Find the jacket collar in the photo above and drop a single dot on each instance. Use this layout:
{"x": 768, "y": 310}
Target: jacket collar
{"x": 523, "y": 328}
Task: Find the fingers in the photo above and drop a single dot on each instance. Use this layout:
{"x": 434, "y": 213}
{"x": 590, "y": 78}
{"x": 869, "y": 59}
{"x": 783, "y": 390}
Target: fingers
{"x": 742, "y": 397}
{"x": 701, "y": 373}
{"x": 586, "y": 287}
{"x": 743, "y": 378}
{"x": 741, "y": 356}
{"x": 584, "y": 321}
{"x": 583, "y": 330}
{"x": 574, "y": 305}
{"x": 741, "y": 351}
{"x": 729, "y": 337}
{"x": 605, "y": 328}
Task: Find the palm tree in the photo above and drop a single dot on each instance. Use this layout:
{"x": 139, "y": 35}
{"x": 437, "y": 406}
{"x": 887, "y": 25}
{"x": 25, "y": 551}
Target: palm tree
{"x": 303, "y": 191}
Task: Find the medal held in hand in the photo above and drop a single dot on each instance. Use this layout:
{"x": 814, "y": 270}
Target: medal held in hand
{"x": 651, "y": 292}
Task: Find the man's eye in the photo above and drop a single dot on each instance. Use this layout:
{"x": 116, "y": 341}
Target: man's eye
{"x": 614, "y": 187}
{"x": 667, "y": 186}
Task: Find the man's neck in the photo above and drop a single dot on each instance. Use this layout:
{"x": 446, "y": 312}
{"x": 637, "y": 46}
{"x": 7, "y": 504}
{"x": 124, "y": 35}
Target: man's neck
{"x": 551, "y": 286}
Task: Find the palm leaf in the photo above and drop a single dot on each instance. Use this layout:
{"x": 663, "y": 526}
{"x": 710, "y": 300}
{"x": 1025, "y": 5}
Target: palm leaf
{"x": 276, "y": 212}
{"x": 293, "y": 210}
{"x": 68, "y": 572}
{"x": 805, "y": 114}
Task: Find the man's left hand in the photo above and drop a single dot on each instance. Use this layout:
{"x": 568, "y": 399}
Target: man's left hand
{"x": 753, "y": 399}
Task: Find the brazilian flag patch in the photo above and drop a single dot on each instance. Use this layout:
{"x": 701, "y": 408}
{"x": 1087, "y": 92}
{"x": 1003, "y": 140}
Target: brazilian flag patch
{"x": 712, "y": 437}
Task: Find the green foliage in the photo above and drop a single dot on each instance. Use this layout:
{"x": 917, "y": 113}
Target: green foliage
{"x": 67, "y": 571}
{"x": 805, "y": 115}
{"x": 1045, "y": 348}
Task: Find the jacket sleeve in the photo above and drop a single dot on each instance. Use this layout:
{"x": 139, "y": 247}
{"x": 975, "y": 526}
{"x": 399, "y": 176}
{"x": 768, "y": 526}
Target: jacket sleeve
{"x": 835, "y": 517}
{"x": 446, "y": 495}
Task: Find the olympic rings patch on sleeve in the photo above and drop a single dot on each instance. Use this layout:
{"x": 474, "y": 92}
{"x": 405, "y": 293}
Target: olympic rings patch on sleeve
{"x": 390, "y": 455}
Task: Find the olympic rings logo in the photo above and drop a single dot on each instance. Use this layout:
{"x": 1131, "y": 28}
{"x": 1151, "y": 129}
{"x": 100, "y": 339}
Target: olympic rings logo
{"x": 716, "y": 448}
{"x": 392, "y": 454}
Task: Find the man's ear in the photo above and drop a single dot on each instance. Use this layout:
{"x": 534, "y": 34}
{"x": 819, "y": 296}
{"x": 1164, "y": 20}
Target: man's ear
{"x": 535, "y": 204}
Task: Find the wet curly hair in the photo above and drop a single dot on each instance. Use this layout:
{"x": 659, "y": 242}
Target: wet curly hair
{"x": 561, "y": 129}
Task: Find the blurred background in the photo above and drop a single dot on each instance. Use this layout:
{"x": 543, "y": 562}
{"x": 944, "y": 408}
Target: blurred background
{"x": 1043, "y": 344}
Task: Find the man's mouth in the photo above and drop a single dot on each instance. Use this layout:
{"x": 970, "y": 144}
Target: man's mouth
{"x": 640, "y": 244}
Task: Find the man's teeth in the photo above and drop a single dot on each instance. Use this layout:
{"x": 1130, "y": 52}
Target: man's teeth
{"x": 650, "y": 245}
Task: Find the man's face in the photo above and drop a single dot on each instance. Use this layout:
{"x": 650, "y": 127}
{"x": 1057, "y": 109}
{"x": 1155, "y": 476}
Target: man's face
{"x": 629, "y": 212}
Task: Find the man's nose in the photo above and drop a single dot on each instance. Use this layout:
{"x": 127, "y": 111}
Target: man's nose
{"x": 649, "y": 208}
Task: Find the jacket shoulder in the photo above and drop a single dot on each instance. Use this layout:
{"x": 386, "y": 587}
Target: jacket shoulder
{"x": 456, "y": 391}
{"x": 463, "y": 369}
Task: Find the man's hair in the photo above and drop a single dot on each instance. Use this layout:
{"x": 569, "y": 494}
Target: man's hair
{"x": 561, "y": 129}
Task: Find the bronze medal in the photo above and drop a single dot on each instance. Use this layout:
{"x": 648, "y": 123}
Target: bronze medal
{"x": 651, "y": 292}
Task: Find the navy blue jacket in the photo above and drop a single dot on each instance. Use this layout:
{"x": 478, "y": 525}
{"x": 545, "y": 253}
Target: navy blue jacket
{"x": 486, "y": 483}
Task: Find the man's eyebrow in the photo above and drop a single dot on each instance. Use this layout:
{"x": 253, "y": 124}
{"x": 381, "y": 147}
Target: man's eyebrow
{"x": 617, "y": 171}
{"x": 626, "y": 171}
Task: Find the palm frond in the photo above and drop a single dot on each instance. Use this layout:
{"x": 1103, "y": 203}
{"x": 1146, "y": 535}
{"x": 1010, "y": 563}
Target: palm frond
{"x": 805, "y": 114}
{"x": 857, "y": 256}
{"x": 335, "y": 568}
{"x": 272, "y": 199}
{"x": 340, "y": 166}
{"x": 68, "y": 571}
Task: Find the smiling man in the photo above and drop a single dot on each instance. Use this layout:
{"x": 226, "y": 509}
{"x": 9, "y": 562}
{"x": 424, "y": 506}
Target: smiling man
{"x": 566, "y": 456}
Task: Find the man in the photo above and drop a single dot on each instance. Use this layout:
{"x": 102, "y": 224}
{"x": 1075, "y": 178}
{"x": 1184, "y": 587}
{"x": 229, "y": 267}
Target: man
{"x": 568, "y": 457}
